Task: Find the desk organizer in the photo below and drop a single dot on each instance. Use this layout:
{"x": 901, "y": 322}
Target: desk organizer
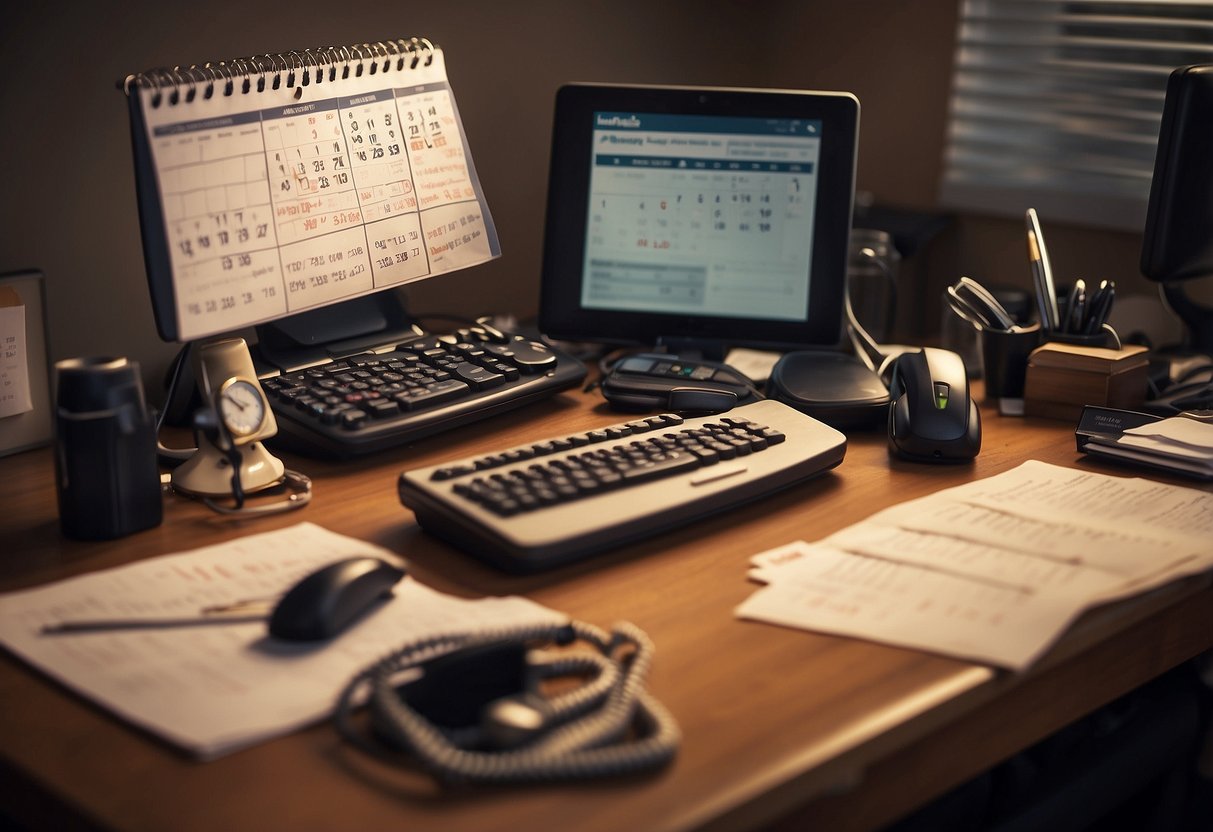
{"x": 1062, "y": 378}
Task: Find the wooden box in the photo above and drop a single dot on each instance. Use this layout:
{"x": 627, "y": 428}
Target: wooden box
{"x": 1061, "y": 378}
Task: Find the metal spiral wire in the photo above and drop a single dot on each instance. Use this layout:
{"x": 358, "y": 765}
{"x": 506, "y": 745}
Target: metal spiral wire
{"x": 176, "y": 85}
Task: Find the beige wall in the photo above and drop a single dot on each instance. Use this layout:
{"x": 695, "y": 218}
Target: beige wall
{"x": 68, "y": 204}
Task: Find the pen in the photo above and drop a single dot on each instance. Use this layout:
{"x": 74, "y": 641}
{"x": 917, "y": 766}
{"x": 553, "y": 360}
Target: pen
{"x": 1078, "y": 308}
{"x": 97, "y": 625}
{"x": 1039, "y": 255}
{"x": 1067, "y": 305}
{"x": 235, "y": 613}
{"x": 1088, "y": 325}
{"x": 1042, "y": 306}
{"x": 1101, "y": 305}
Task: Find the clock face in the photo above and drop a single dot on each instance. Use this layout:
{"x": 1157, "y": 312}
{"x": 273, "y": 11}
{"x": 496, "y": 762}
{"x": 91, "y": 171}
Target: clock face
{"x": 241, "y": 407}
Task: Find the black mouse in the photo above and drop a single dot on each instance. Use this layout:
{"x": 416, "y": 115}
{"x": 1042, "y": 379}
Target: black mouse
{"x": 328, "y": 600}
{"x": 932, "y": 418}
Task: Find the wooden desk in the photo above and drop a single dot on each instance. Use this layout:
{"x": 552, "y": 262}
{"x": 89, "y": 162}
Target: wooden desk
{"x": 780, "y": 725}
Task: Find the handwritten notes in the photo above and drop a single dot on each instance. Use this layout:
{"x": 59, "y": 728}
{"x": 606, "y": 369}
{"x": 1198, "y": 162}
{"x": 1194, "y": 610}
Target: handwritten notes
{"x": 14, "y": 361}
{"x": 991, "y": 571}
{"x": 214, "y": 688}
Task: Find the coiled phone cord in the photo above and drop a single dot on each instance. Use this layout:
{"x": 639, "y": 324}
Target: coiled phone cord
{"x": 607, "y": 726}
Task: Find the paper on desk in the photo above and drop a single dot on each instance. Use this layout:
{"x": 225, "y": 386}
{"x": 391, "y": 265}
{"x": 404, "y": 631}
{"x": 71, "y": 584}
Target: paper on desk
{"x": 820, "y": 588}
{"x": 1202, "y": 457}
{"x": 1065, "y": 514}
{"x": 993, "y": 570}
{"x": 756, "y": 365}
{"x": 1178, "y": 443}
{"x": 1179, "y": 430}
{"x": 215, "y": 688}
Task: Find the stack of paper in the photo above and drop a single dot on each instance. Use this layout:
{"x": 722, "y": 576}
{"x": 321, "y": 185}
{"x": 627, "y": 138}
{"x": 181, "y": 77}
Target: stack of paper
{"x": 1179, "y": 443}
{"x": 214, "y": 688}
{"x": 992, "y": 571}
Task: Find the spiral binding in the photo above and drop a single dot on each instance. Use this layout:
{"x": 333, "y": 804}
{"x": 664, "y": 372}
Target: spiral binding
{"x": 295, "y": 69}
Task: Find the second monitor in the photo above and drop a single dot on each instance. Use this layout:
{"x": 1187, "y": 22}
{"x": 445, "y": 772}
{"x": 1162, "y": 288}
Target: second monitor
{"x": 698, "y": 218}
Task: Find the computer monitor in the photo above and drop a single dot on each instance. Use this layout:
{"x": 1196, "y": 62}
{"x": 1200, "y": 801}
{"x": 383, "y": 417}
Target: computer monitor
{"x": 698, "y": 218}
{"x": 1178, "y": 243}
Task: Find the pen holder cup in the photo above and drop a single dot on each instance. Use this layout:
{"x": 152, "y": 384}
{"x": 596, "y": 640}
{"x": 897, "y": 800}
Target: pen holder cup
{"x": 1106, "y": 337}
{"x": 1004, "y": 355}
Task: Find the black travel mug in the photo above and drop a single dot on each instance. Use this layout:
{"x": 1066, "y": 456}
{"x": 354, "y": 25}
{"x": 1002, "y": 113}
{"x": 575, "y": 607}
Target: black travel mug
{"x": 105, "y": 450}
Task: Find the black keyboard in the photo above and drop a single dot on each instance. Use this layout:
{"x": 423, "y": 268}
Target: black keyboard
{"x": 400, "y": 392}
{"x": 561, "y": 499}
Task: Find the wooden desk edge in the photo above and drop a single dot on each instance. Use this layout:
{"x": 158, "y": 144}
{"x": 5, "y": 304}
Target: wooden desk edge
{"x": 1171, "y": 625}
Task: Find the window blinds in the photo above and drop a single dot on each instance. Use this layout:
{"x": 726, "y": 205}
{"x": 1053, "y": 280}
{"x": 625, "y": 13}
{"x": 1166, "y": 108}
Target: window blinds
{"x": 1056, "y": 105}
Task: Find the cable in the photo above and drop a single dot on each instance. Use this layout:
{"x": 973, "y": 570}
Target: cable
{"x": 607, "y": 359}
{"x": 297, "y": 486}
{"x": 606, "y": 727}
{"x": 865, "y": 346}
{"x": 167, "y": 454}
{"x": 1184, "y": 393}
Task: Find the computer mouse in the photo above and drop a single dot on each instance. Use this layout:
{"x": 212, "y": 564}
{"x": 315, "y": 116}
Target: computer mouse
{"x": 328, "y": 600}
{"x": 932, "y": 418}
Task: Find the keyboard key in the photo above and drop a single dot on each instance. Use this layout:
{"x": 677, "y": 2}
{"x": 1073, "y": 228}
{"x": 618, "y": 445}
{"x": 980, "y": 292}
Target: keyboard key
{"x": 477, "y": 376}
{"x": 453, "y": 471}
{"x": 419, "y": 397}
{"x": 381, "y": 408}
{"x": 531, "y": 356}
{"x": 663, "y": 466}
{"x": 353, "y": 419}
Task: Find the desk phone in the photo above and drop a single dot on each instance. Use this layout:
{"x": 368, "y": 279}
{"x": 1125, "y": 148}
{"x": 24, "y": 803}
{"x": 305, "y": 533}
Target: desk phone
{"x": 664, "y": 382}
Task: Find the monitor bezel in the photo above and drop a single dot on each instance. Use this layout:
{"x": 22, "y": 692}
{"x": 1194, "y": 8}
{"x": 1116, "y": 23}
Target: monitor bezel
{"x": 1176, "y": 245}
{"x": 561, "y": 313}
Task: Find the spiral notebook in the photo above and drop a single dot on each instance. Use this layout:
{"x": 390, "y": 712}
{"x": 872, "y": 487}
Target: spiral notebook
{"x": 276, "y": 184}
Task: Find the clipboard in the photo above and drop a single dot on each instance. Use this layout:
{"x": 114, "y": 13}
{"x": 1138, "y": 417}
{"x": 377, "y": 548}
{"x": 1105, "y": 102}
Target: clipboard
{"x": 25, "y": 361}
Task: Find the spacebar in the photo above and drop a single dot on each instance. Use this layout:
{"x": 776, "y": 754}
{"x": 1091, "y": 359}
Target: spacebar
{"x": 674, "y": 463}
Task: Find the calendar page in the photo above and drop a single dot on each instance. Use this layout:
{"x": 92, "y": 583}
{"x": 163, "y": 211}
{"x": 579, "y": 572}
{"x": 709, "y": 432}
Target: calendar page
{"x": 703, "y": 215}
{"x": 278, "y": 200}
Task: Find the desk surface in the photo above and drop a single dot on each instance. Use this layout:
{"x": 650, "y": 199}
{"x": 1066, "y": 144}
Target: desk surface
{"x": 779, "y": 724}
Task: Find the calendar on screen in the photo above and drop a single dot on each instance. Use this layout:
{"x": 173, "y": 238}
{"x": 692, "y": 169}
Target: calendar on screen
{"x": 274, "y": 185}
{"x": 708, "y": 215}
{"x": 699, "y": 218}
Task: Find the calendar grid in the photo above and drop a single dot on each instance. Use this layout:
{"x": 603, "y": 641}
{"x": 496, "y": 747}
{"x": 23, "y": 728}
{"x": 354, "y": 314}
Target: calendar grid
{"x": 280, "y": 200}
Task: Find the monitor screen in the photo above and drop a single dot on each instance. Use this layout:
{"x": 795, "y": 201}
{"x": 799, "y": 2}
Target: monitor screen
{"x": 701, "y": 215}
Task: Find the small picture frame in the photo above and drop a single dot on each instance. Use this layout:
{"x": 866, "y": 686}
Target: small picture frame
{"x": 25, "y": 396}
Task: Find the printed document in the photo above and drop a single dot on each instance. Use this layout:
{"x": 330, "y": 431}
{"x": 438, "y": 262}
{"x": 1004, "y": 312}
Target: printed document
{"x": 215, "y": 688}
{"x": 992, "y": 571}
